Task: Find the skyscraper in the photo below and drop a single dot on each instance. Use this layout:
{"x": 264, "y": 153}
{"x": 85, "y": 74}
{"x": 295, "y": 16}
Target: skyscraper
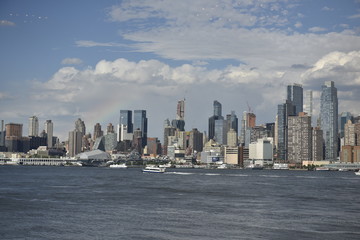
{"x": 295, "y": 95}
{"x": 141, "y": 123}
{"x": 126, "y": 119}
{"x": 212, "y": 119}
{"x": 299, "y": 139}
{"x": 179, "y": 122}
{"x": 49, "y": 130}
{"x": 232, "y": 122}
{"x": 343, "y": 119}
{"x": 220, "y": 134}
{"x": 33, "y": 126}
{"x": 308, "y": 106}
{"x": 196, "y": 140}
{"x": 284, "y": 111}
{"x": 97, "y": 131}
{"x": 80, "y": 126}
{"x": 329, "y": 119}
{"x": 75, "y": 142}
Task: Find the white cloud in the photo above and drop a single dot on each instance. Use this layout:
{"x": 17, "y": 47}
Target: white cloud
{"x": 327, "y": 9}
{"x": 317, "y": 29}
{"x": 71, "y": 61}
{"x": 86, "y": 43}
{"x": 355, "y": 16}
{"x": 298, "y": 25}
{"x": 6, "y": 23}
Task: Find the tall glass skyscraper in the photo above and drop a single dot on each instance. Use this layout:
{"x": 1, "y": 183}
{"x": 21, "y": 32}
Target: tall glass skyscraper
{"x": 141, "y": 122}
{"x": 126, "y": 119}
{"x": 295, "y": 95}
{"x": 284, "y": 111}
{"x": 329, "y": 119}
{"x": 212, "y": 119}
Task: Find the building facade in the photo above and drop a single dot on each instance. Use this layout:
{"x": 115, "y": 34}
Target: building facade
{"x": 329, "y": 119}
{"x": 33, "y": 126}
{"x": 49, "y": 130}
{"x": 295, "y": 95}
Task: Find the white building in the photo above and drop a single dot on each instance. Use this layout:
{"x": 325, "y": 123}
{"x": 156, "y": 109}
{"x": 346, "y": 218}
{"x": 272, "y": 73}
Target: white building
{"x": 262, "y": 150}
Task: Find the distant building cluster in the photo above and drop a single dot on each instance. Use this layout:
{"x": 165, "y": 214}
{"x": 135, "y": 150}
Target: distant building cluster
{"x": 291, "y": 139}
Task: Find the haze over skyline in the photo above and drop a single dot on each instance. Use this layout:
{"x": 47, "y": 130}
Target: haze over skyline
{"x": 63, "y": 60}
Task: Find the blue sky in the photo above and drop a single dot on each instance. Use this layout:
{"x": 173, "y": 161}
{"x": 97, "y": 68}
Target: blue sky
{"x": 62, "y": 60}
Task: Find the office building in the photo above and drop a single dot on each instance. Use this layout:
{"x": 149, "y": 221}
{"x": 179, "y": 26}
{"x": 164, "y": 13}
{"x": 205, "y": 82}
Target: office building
{"x": 261, "y": 150}
{"x": 97, "y": 131}
{"x": 284, "y": 111}
{"x": 220, "y": 131}
{"x": 232, "y": 155}
{"x": 329, "y": 119}
{"x": 75, "y": 143}
{"x": 141, "y": 123}
{"x": 110, "y": 128}
{"x": 317, "y": 144}
{"x": 295, "y": 95}
{"x": 33, "y": 126}
{"x": 299, "y": 139}
{"x": 49, "y": 130}
{"x": 80, "y": 126}
{"x": 343, "y": 119}
{"x": 196, "y": 140}
{"x": 217, "y": 116}
{"x": 308, "y": 103}
{"x": 248, "y": 121}
{"x": 126, "y": 119}
{"x": 232, "y": 138}
{"x": 352, "y": 134}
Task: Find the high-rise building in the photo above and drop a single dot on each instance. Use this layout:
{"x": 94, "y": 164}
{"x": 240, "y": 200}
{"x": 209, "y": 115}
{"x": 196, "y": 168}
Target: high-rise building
{"x": 232, "y": 122}
{"x": 2, "y": 136}
{"x": 220, "y": 134}
{"x": 284, "y": 111}
{"x": 141, "y": 123}
{"x": 110, "y": 128}
{"x": 299, "y": 139}
{"x": 295, "y": 95}
{"x": 196, "y": 140}
{"x": 248, "y": 121}
{"x": 13, "y": 130}
{"x": 168, "y": 131}
{"x": 343, "y": 119}
{"x": 180, "y": 112}
{"x": 232, "y": 138}
{"x": 217, "y": 116}
{"x": 352, "y": 134}
{"x": 329, "y": 119}
{"x": 308, "y": 105}
{"x": 49, "y": 130}
{"x": 317, "y": 144}
{"x": 126, "y": 119}
{"x": 33, "y": 126}
{"x": 75, "y": 142}
{"x": 80, "y": 126}
{"x": 97, "y": 131}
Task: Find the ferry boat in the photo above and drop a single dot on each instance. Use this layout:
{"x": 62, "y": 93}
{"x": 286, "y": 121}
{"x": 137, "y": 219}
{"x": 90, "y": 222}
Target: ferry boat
{"x": 118, "y": 166}
{"x": 153, "y": 170}
{"x": 322, "y": 169}
{"x": 357, "y": 173}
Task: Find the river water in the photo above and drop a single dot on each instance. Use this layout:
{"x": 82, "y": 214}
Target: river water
{"x": 38, "y": 202}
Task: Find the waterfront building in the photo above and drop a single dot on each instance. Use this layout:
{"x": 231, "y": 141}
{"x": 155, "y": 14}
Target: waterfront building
{"x": 261, "y": 150}
{"x": 75, "y": 142}
{"x": 33, "y": 126}
{"x": 317, "y": 144}
{"x": 284, "y": 111}
{"x": 217, "y": 116}
{"x": 329, "y": 119}
{"x": 49, "y": 130}
{"x": 308, "y": 103}
{"x": 141, "y": 123}
{"x": 212, "y": 152}
{"x": 126, "y": 120}
{"x": 97, "y": 131}
{"x": 295, "y": 95}
{"x": 350, "y": 154}
{"x": 232, "y": 155}
{"x": 299, "y": 139}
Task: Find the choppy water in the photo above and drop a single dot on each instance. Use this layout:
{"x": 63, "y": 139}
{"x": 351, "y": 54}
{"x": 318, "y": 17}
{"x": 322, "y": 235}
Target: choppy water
{"x": 103, "y": 203}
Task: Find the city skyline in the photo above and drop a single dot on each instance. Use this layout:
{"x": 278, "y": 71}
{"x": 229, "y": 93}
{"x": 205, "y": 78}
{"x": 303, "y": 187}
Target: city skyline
{"x": 62, "y": 61}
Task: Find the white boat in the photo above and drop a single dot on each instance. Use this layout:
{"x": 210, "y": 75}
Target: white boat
{"x": 322, "y": 169}
{"x": 357, "y": 173}
{"x": 153, "y": 170}
{"x": 118, "y": 165}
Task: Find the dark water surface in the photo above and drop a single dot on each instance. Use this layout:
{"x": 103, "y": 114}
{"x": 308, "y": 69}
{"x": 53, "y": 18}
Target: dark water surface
{"x": 103, "y": 203}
